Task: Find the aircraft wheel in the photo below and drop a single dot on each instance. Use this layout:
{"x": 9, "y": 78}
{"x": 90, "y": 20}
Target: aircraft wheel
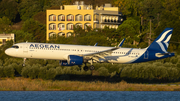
{"x": 23, "y": 64}
{"x": 85, "y": 68}
{"x": 91, "y": 67}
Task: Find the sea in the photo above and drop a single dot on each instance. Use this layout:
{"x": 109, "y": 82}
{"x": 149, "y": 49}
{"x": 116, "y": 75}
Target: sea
{"x": 89, "y": 96}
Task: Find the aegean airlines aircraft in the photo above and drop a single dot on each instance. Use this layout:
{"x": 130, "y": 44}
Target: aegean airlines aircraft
{"x": 69, "y": 55}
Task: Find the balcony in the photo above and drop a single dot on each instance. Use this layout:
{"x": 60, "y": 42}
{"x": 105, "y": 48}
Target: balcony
{"x": 78, "y": 17}
{"x": 70, "y": 26}
{"x": 61, "y": 17}
{"x": 61, "y": 27}
{"x": 52, "y": 26}
{"x": 52, "y": 18}
{"x": 87, "y": 17}
{"x": 70, "y": 17}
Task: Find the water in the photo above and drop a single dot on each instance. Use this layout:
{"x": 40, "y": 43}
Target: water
{"x": 88, "y": 96}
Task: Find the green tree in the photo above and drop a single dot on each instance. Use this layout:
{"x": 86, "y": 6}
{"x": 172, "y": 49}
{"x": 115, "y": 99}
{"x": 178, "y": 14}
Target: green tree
{"x": 9, "y": 71}
{"x": 8, "y": 44}
{"x": 56, "y": 2}
{"x": 9, "y": 9}
{"x": 28, "y": 8}
{"x": 42, "y": 72}
{"x": 129, "y": 29}
{"x": 129, "y": 8}
{"x": 17, "y": 68}
{"x": 34, "y": 71}
{"x": 22, "y": 36}
{"x": 1, "y": 71}
{"x": 40, "y": 17}
{"x": 25, "y": 71}
{"x": 51, "y": 73}
{"x": 103, "y": 71}
{"x": 37, "y": 29}
{"x": 151, "y": 8}
{"x": 170, "y": 18}
{"x": 5, "y": 24}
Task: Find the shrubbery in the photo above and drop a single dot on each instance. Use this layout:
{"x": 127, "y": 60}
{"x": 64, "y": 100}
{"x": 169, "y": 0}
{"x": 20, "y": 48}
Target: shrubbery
{"x": 1, "y": 71}
{"x": 103, "y": 71}
{"x": 160, "y": 70}
{"x": 8, "y": 71}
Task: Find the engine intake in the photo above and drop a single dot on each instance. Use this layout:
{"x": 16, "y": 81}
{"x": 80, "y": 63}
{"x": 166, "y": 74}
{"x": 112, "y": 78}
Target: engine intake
{"x": 72, "y": 60}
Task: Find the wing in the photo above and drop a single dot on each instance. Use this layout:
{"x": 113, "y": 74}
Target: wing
{"x": 96, "y": 56}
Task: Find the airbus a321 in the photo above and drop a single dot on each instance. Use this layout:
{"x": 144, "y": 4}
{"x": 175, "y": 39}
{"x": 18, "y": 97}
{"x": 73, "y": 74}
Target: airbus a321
{"x": 69, "y": 55}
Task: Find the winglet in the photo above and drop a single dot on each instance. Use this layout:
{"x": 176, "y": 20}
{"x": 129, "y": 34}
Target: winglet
{"x": 95, "y": 44}
{"x": 121, "y": 43}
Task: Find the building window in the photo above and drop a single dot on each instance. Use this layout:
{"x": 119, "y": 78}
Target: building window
{"x": 104, "y": 18}
{"x": 116, "y": 26}
{"x": 61, "y": 27}
{"x": 61, "y": 34}
{"x": 52, "y": 26}
{"x": 87, "y": 17}
{"x": 4, "y": 41}
{"x": 52, "y": 34}
{"x": 87, "y": 25}
{"x": 61, "y": 18}
{"x": 52, "y": 18}
{"x": 113, "y": 26}
{"x": 70, "y": 26}
{"x": 69, "y": 34}
{"x": 79, "y": 24}
{"x": 116, "y": 19}
{"x": 79, "y": 17}
{"x": 70, "y": 17}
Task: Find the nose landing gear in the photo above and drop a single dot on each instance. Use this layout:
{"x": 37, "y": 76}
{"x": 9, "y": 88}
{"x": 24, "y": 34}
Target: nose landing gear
{"x": 24, "y": 62}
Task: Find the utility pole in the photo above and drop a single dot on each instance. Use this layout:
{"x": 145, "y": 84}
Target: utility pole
{"x": 150, "y": 33}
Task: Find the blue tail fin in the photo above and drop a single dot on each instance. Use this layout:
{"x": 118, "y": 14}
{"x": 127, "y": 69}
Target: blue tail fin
{"x": 161, "y": 43}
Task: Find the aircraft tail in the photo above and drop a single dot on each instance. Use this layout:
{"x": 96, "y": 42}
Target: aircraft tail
{"x": 161, "y": 43}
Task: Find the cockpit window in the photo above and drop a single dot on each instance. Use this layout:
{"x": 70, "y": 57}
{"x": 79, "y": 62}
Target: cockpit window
{"x": 15, "y": 47}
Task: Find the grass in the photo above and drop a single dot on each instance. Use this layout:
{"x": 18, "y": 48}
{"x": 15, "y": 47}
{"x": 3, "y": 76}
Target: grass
{"x": 27, "y": 84}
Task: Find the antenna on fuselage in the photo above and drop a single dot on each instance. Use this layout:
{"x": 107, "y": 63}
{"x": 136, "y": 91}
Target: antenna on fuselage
{"x": 26, "y": 41}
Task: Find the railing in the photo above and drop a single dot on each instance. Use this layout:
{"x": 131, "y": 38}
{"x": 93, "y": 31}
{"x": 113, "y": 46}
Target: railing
{"x": 78, "y": 19}
{"x": 61, "y": 19}
{"x": 87, "y": 19}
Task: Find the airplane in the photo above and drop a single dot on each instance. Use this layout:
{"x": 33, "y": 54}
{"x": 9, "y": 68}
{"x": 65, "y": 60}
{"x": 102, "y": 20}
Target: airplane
{"x": 70, "y": 55}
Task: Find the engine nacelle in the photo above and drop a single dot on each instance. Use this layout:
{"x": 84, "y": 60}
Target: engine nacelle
{"x": 72, "y": 60}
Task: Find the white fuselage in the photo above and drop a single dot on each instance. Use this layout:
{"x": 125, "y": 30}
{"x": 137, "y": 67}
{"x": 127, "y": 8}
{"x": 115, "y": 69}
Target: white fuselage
{"x": 61, "y": 52}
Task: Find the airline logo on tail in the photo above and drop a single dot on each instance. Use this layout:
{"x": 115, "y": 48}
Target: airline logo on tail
{"x": 163, "y": 41}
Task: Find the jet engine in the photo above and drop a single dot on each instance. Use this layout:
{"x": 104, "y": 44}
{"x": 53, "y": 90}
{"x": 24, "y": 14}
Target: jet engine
{"x": 72, "y": 60}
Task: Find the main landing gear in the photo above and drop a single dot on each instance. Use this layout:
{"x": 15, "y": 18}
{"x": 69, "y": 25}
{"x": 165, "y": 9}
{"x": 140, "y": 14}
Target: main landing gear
{"x": 86, "y": 68}
{"x": 91, "y": 67}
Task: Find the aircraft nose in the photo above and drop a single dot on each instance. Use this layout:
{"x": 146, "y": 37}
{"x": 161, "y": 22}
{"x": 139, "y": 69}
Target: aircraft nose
{"x": 7, "y": 51}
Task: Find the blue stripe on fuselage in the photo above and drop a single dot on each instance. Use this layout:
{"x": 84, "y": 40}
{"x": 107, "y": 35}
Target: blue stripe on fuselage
{"x": 151, "y": 56}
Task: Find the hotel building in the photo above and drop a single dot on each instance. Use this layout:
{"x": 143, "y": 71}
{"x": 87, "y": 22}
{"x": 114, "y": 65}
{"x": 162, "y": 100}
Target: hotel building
{"x": 61, "y": 21}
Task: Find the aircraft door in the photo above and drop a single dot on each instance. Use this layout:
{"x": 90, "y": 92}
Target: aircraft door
{"x": 25, "y": 48}
{"x": 146, "y": 54}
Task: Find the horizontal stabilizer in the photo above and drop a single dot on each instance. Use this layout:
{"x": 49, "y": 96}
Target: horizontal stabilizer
{"x": 165, "y": 53}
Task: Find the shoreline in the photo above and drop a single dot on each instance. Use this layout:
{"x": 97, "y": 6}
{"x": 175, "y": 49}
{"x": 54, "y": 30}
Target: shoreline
{"x": 27, "y": 84}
